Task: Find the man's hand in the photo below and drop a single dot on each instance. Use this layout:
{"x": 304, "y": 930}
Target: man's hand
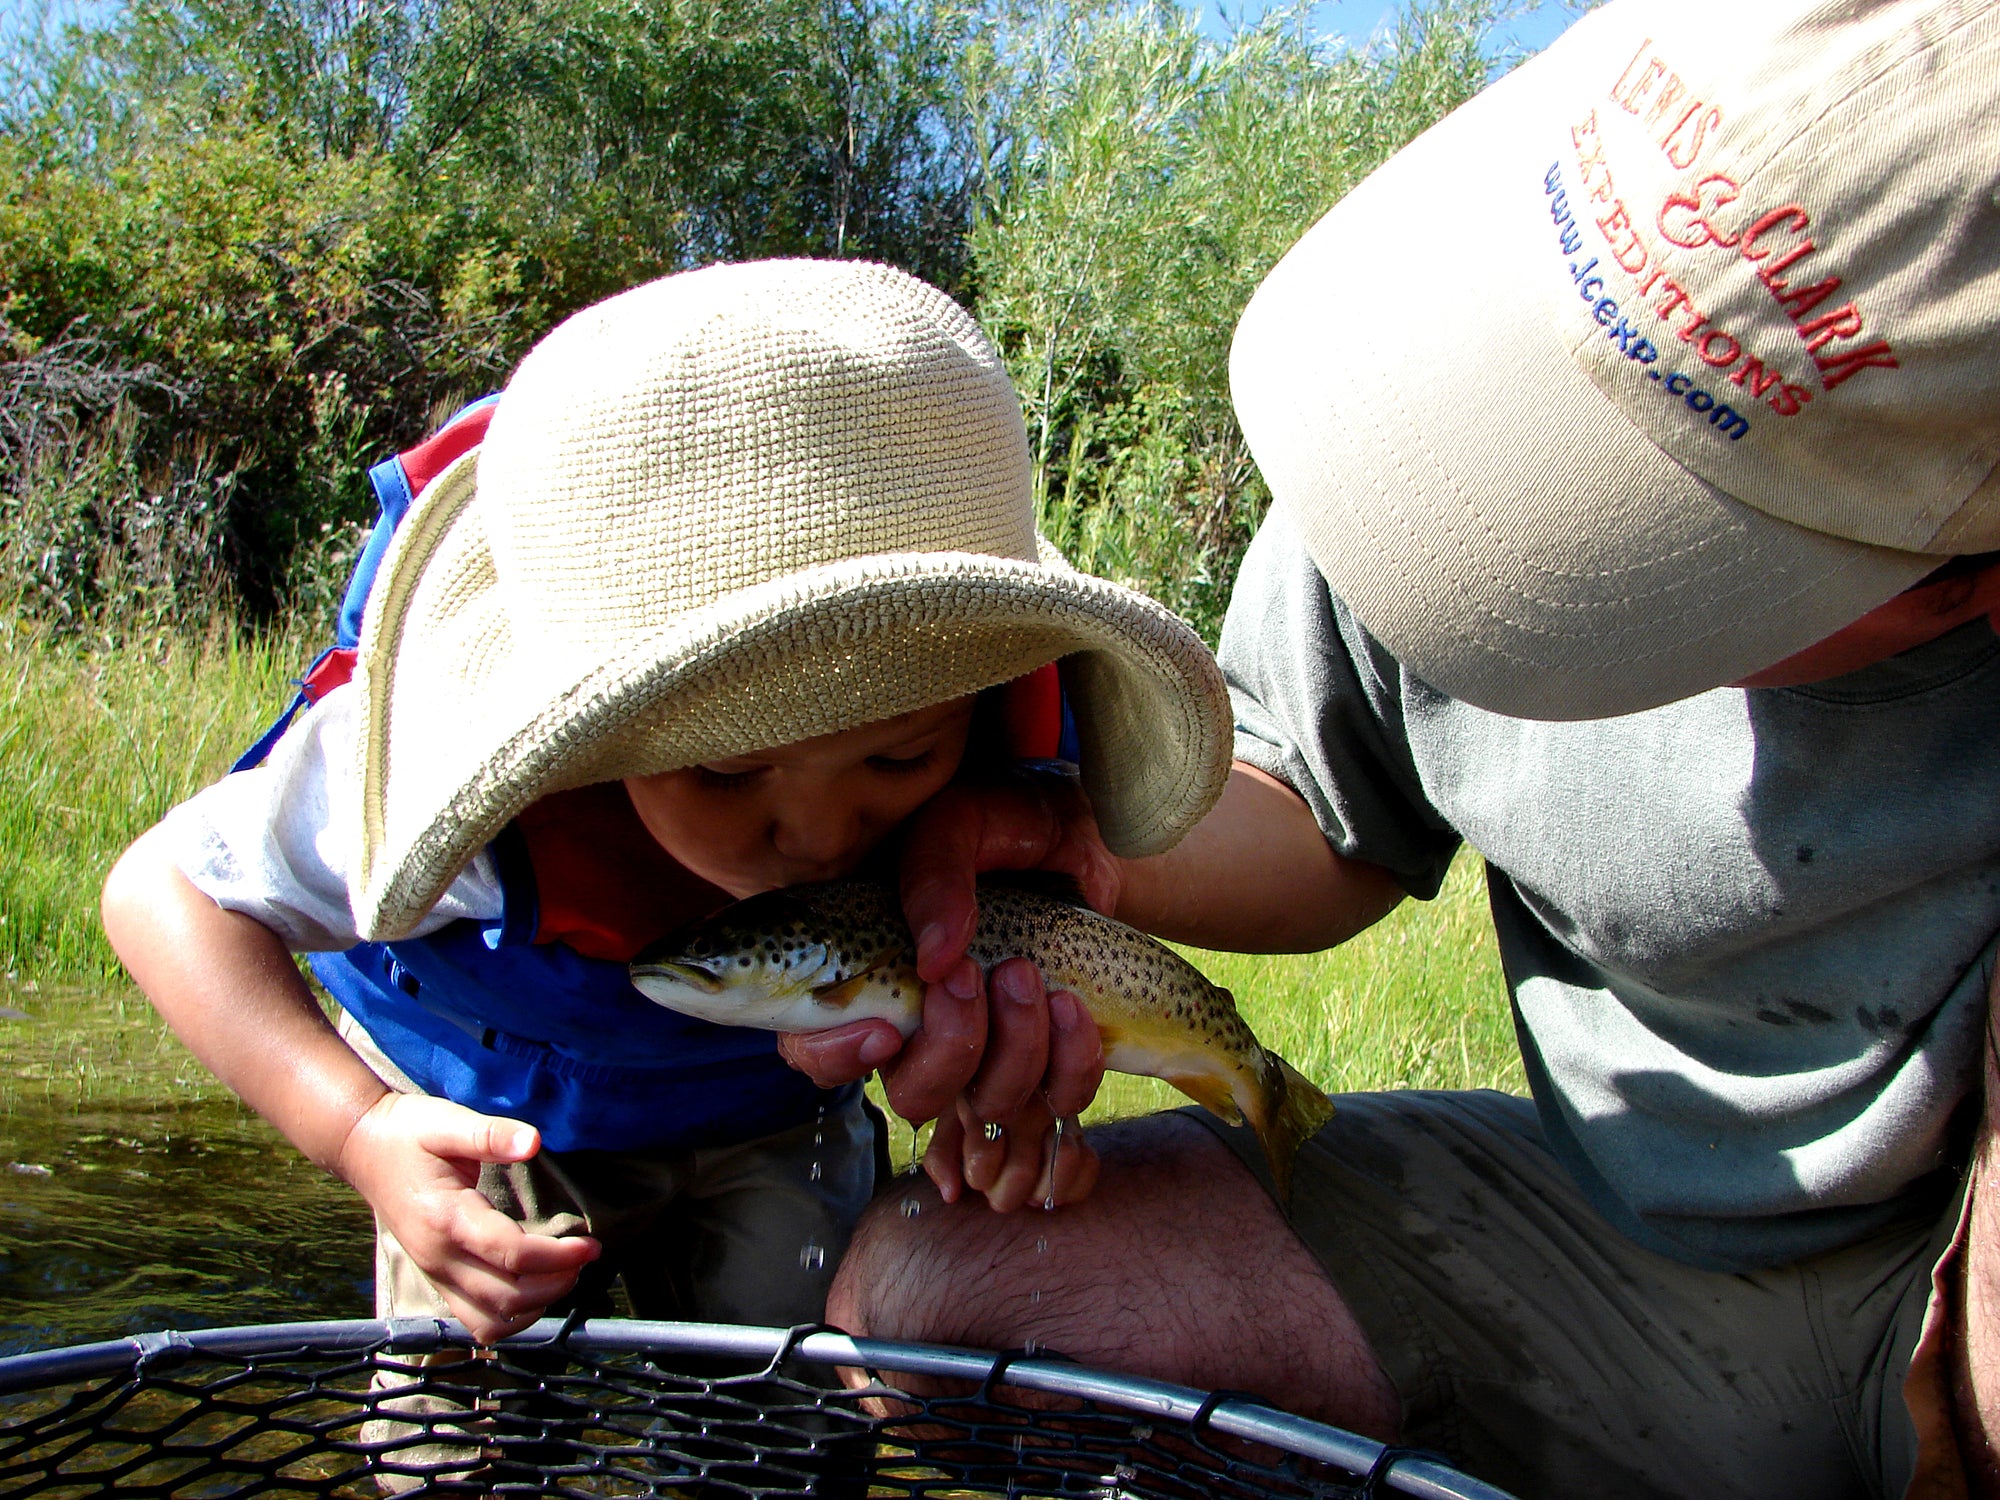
{"x": 1255, "y": 876}
{"x": 992, "y": 1050}
{"x": 416, "y": 1160}
{"x": 1044, "y": 1064}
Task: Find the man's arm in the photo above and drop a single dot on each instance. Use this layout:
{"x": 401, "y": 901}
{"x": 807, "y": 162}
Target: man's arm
{"x": 1255, "y": 876}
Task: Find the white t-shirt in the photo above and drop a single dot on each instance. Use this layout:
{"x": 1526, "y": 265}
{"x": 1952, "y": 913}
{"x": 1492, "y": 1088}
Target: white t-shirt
{"x": 276, "y": 842}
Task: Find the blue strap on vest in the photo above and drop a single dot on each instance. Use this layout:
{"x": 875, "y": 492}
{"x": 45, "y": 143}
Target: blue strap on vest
{"x": 393, "y": 496}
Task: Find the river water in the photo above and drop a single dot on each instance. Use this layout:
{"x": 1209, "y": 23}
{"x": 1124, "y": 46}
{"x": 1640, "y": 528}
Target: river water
{"x": 136, "y": 1194}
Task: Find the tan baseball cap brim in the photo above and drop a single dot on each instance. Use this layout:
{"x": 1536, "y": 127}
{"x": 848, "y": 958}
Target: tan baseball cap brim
{"x": 1490, "y": 511}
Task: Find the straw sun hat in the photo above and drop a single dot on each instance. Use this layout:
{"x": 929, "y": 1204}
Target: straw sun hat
{"x": 726, "y": 511}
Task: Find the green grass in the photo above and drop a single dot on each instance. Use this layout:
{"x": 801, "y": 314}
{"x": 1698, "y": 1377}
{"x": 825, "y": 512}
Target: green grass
{"x": 96, "y": 743}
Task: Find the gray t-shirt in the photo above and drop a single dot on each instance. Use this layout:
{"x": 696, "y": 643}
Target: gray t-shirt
{"x": 1748, "y": 935}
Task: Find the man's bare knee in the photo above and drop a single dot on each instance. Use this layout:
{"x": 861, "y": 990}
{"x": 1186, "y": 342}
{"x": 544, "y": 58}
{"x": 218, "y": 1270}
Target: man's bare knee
{"x": 1177, "y": 1267}
{"x": 919, "y": 1269}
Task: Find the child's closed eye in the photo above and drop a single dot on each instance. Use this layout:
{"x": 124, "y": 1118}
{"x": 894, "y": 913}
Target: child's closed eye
{"x": 720, "y": 780}
{"x": 903, "y": 765}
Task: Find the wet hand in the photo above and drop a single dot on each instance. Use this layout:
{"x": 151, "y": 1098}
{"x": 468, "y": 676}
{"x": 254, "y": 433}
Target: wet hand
{"x": 1017, "y": 1063}
{"x": 1043, "y": 1063}
{"x": 416, "y": 1160}
{"x": 1025, "y": 824}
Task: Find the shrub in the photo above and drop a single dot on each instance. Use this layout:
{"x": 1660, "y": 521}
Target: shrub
{"x": 311, "y": 225}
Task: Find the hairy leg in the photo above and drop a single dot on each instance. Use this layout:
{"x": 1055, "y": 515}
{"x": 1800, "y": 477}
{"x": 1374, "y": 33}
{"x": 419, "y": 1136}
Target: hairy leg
{"x": 1177, "y": 1267}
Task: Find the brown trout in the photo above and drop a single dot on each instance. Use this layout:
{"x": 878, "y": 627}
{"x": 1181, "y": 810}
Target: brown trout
{"x": 818, "y": 956}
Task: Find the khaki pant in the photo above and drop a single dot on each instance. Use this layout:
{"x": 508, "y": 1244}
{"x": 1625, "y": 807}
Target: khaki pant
{"x": 747, "y": 1233}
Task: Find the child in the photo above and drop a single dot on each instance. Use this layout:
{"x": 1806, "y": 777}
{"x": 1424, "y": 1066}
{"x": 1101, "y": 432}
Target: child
{"x": 710, "y": 610}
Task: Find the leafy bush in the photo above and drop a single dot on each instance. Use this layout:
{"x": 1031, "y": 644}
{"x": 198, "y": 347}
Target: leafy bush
{"x": 304, "y": 228}
{"x": 266, "y": 241}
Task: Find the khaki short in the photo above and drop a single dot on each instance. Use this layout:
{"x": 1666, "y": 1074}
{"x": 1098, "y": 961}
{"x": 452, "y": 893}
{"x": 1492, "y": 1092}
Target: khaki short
{"x": 1542, "y": 1351}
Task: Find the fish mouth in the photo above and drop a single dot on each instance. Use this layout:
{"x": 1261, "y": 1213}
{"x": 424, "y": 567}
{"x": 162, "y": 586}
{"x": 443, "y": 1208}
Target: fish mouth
{"x": 678, "y": 970}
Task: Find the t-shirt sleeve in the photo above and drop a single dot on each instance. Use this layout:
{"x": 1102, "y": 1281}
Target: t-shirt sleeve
{"x": 1319, "y": 705}
{"x": 274, "y": 842}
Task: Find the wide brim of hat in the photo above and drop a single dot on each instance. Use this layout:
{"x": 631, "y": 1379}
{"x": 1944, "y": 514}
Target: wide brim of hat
{"x": 1483, "y": 507}
{"x": 464, "y": 724}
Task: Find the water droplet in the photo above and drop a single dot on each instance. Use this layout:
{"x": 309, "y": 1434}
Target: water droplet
{"x": 1041, "y": 1244}
{"x": 911, "y": 1208}
{"x": 811, "y": 1256}
{"x": 1032, "y": 1348}
{"x": 992, "y": 1132}
{"x": 817, "y": 1171}
{"x": 1035, "y": 1297}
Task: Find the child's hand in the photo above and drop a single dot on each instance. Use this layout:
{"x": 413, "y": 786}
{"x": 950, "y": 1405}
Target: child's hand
{"x": 416, "y": 1160}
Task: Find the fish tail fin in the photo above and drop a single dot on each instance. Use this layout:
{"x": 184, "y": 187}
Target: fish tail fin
{"x": 1293, "y": 1110}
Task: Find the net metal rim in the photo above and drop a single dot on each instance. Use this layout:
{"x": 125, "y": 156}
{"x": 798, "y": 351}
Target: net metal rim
{"x": 1414, "y": 1475}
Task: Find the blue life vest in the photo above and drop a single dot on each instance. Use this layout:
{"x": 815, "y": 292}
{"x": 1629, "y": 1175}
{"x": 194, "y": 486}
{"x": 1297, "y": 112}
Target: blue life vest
{"x": 539, "y": 1032}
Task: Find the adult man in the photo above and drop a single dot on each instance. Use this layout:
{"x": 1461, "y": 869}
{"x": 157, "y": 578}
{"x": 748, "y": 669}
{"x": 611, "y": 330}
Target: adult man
{"x": 1619, "y": 430}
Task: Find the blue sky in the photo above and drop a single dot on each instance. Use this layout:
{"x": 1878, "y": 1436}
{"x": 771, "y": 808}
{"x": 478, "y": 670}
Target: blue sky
{"x": 1530, "y": 24}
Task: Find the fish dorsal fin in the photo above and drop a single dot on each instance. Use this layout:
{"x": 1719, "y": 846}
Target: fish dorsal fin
{"x": 846, "y": 991}
{"x": 1050, "y": 885}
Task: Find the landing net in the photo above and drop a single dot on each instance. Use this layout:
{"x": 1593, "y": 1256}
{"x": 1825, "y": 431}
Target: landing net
{"x": 615, "y": 1407}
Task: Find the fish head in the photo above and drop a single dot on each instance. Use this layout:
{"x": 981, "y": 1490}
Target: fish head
{"x": 784, "y": 961}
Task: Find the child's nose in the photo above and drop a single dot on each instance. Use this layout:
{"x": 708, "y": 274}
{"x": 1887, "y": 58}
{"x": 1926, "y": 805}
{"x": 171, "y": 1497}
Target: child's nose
{"x": 821, "y": 832}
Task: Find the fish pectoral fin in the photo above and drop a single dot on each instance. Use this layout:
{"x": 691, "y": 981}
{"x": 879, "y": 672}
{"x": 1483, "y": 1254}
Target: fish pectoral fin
{"x": 1210, "y": 1092}
{"x": 846, "y": 991}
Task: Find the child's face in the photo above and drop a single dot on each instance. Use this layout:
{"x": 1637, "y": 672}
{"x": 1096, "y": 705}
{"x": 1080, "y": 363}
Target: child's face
{"x": 808, "y": 811}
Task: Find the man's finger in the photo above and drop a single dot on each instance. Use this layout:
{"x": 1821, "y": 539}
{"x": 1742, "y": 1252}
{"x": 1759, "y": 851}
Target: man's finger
{"x": 984, "y": 1149}
{"x": 843, "y": 1055}
{"x": 1071, "y": 1171}
{"x": 940, "y": 866}
{"x": 1017, "y": 1042}
{"x": 938, "y": 1062}
{"x": 1076, "y": 1055}
{"x": 944, "y": 1156}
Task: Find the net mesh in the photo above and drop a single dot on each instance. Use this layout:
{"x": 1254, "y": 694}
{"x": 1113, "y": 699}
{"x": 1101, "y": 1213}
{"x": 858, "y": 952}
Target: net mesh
{"x": 658, "y": 1409}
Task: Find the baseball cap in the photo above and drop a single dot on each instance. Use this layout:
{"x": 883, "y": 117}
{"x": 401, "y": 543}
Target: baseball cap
{"x": 1666, "y": 356}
